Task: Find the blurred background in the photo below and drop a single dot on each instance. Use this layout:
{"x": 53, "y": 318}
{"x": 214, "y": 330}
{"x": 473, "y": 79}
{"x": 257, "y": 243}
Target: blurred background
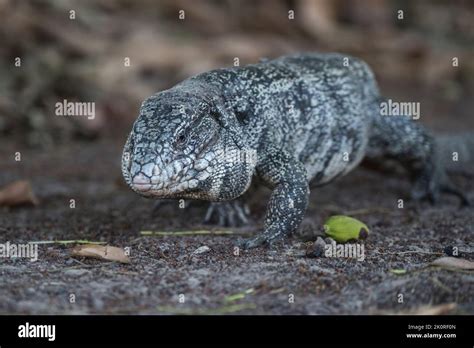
{"x": 83, "y": 59}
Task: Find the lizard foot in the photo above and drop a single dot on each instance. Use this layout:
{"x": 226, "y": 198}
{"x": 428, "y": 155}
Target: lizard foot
{"x": 429, "y": 187}
{"x": 253, "y": 242}
{"x": 267, "y": 238}
{"x": 449, "y": 188}
{"x": 423, "y": 191}
{"x": 227, "y": 214}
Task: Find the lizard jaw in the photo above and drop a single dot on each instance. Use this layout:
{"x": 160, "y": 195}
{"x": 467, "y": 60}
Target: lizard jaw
{"x": 160, "y": 190}
{"x": 177, "y": 179}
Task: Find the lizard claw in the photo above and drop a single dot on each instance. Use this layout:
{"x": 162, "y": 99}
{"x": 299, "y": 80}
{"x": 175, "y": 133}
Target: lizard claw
{"x": 449, "y": 188}
{"x": 432, "y": 196}
{"x": 262, "y": 239}
{"x": 253, "y": 242}
{"x": 227, "y": 214}
{"x": 430, "y": 188}
{"x": 427, "y": 186}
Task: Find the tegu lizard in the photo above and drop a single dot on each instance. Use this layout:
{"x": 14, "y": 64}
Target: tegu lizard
{"x": 295, "y": 122}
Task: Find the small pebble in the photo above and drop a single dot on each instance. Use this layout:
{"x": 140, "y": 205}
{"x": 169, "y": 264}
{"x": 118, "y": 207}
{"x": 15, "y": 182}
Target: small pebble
{"x": 201, "y": 250}
{"x": 329, "y": 240}
{"x": 193, "y": 282}
{"x": 317, "y": 249}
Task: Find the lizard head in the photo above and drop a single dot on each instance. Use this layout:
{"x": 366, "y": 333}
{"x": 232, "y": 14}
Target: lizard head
{"x": 184, "y": 145}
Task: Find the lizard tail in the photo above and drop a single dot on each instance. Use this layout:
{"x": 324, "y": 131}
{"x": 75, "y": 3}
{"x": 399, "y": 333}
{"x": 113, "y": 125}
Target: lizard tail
{"x": 457, "y": 152}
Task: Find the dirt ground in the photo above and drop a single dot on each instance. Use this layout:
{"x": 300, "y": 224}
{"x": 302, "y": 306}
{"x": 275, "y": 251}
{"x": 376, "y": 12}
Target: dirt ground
{"x": 163, "y": 268}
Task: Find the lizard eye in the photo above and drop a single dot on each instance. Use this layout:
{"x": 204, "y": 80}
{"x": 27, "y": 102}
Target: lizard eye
{"x": 181, "y": 137}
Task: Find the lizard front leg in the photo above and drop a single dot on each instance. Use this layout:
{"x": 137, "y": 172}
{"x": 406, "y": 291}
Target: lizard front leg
{"x": 286, "y": 176}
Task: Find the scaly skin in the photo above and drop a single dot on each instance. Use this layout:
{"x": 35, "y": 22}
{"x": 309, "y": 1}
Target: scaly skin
{"x": 295, "y": 122}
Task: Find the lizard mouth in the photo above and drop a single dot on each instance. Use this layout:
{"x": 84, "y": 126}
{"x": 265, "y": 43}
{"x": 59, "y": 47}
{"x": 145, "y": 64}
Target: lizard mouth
{"x": 147, "y": 187}
{"x": 142, "y": 187}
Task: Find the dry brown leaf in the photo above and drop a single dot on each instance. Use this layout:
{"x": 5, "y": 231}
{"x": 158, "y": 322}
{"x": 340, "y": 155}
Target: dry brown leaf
{"x": 318, "y": 17}
{"x": 434, "y": 310}
{"x": 453, "y": 262}
{"x": 441, "y": 309}
{"x": 106, "y": 252}
{"x": 18, "y": 193}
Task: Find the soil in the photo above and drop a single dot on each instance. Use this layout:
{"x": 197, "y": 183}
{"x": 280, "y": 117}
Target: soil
{"x": 281, "y": 280}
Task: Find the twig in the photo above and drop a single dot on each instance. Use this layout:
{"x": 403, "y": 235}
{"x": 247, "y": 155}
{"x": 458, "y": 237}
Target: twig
{"x": 366, "y": 211}
{"x": 238, "y": 296}
{"x": 76, "y": 241}
{"x": 189, "y": 233}
{"x": 220, "y": 310}
{"x": 79, "y": 262}
{"x": 408, "y": 252}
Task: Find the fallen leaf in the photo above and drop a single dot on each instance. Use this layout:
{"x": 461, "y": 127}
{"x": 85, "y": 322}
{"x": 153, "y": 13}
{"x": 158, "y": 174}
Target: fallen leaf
{"x": 434, "y": 310}
{"x": 318, "y": 17}
{"x": 188, "y": 233}
{"x": 206, "y": 311}
{"x": 74, "y": 241}
{"x": 453, "y": 263}
{"x": 398, "y": 271}
{"x": 106, "y": 252}
{"x": 441, "y": 309}
{"x": 18, "y": 193}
